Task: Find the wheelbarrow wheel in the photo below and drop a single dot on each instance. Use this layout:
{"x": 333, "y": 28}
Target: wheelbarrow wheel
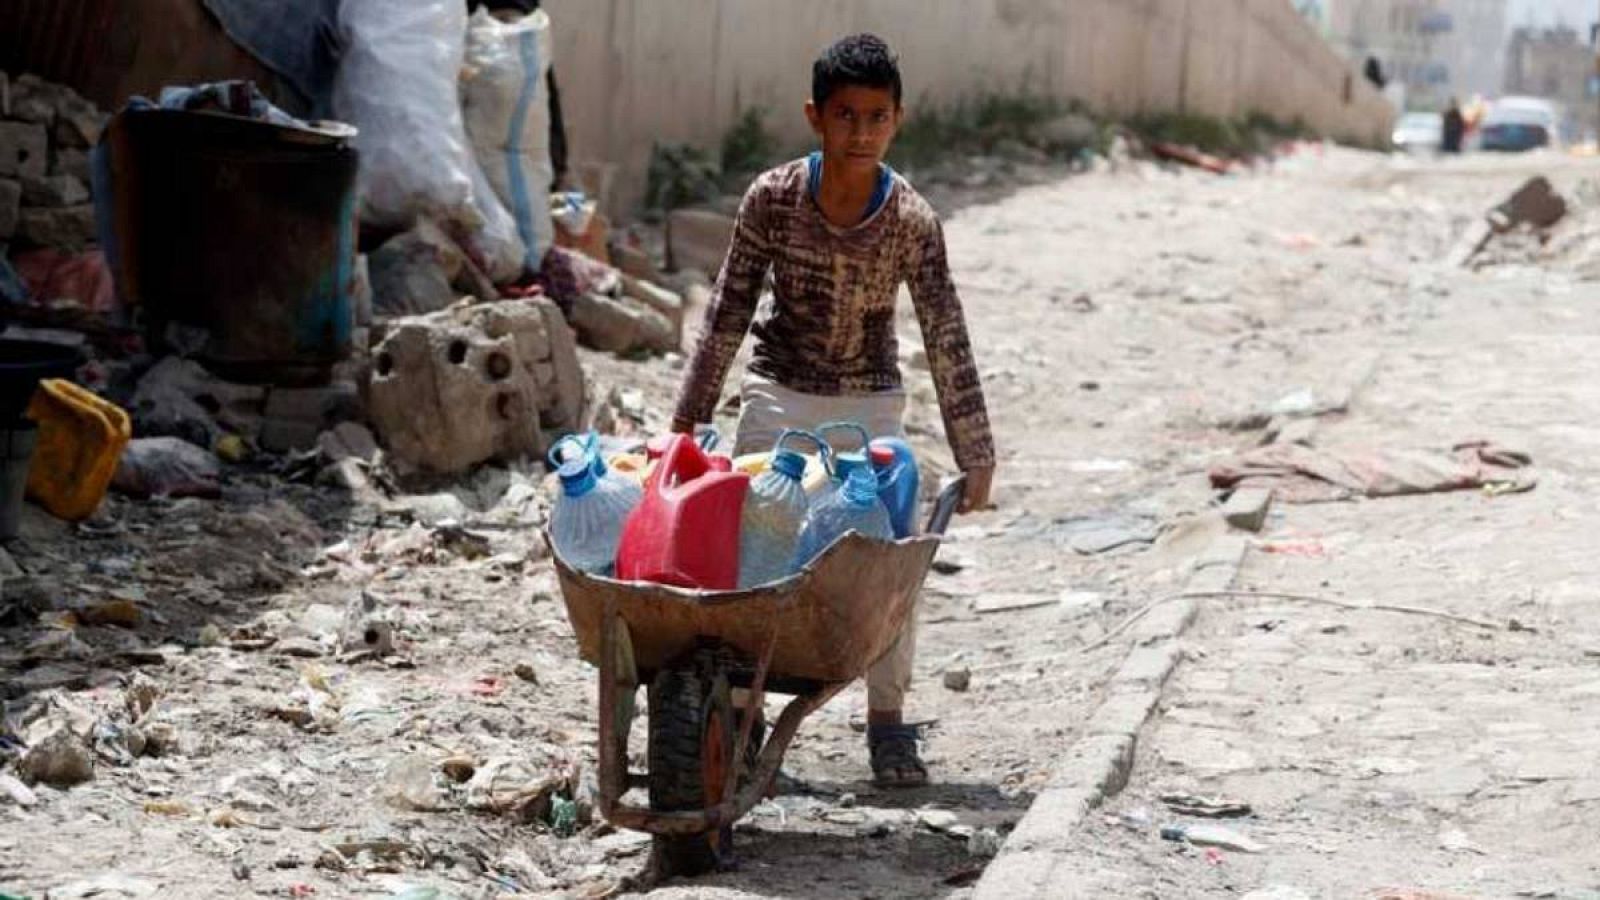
{"x": 690, "y": 749}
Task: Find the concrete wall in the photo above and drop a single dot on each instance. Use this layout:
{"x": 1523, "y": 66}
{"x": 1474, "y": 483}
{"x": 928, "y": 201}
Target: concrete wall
{"x": 634, "y": 72}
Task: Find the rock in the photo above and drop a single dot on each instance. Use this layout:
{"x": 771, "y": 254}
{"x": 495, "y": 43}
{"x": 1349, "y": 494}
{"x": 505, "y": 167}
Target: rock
{"x": 167, "y": 467}
{"x": 658, "y": 298}
{"x": 24, "y": 149}
{"x": 635, "y": 262}
{"x": 60, "y": 758}
{"x": 53, "y": 191}
{"x": 433, "y": 509}
{"x": 984, "y": 843}
{"x": 938, "y": 819}
{"x": 412, "y": 273}
{"x": 348, "y": 440}
{"x": 459, "y": 387}
{"x": 69, "y": 228}
{"x": 696, "y": 300}
{"x": 958, "y": 680}
{"x": 16, "y": 791}
{"x": 1247, "y": 508}
{"x": 10, "y": 207}
{"x": 621, "y": 325}
{"x": 698, "y": 239}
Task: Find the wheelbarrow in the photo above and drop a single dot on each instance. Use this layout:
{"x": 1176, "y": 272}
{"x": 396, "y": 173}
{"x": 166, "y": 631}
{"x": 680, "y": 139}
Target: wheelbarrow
{"x": 808, "y": 636}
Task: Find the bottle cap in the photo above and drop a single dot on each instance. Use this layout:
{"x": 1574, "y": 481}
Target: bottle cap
{"x": 789, "y": 463}
{"x": 882, "y": 457}
{"x": 578, "y": 478}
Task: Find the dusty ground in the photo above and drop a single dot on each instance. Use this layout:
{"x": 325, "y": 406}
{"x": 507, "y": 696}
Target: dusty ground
{"x": 1121, "y": 318}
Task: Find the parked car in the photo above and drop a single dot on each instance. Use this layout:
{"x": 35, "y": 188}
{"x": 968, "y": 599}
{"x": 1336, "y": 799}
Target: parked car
{"x": 1418, "y": 132}
{"x": 1516, "y": 124}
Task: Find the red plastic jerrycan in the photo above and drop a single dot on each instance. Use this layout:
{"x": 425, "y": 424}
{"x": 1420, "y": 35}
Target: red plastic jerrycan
{"x": 686, "y": 530}
{"x": 657, "y": 447}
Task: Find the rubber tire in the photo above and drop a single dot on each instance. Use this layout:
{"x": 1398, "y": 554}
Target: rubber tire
{"x": 684, "y": 704}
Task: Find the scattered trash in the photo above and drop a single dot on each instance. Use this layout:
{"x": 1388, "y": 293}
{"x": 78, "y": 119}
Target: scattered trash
{"x": 409, "y": 784}
{"x": 1205, "y": 807}
{"x": 167, "y": 467}
{"x": 16, "y": 791}
{"x": 1455, "y": 840}
{"x": 1211, "y": 836}
{"x": 937, "y": 819}
{"x": 1299, "y": 474}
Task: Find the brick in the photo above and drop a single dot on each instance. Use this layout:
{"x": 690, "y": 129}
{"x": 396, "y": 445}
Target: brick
{"x": 10, "y": 207}
{"x": 69, "y": 228}
{"x": 24, "y": 149}
{"x": 320, "y": 407}
{"x": 70, "y": 161}
{"x": 1247, "y": 508}
{"x": 53, "y": 191}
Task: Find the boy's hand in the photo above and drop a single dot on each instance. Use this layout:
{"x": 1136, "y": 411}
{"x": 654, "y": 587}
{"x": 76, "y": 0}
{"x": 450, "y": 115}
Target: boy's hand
{"x": 976, "y": 496}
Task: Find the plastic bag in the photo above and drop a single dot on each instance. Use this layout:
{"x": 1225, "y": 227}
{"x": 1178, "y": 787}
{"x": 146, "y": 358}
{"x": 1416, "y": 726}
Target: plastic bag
{"x": 506, "y": 102}
{"x": 167, "y": 467}
{"x": 397, "y": 84}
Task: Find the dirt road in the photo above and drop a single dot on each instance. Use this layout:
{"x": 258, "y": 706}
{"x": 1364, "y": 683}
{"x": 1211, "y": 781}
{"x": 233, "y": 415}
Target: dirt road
{"x": 1126, "y": 323}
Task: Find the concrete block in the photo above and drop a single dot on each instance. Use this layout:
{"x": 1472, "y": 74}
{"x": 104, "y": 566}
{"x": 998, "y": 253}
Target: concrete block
{"x": 288, "y": 435}
{"x": 321, "y": 407}
{"x": 1247, "y": 508}
{"x": 69, "y": 228}
{"x": 1148, "y": 666}
{"x": 1123, "y": 713}
{"x": 621, "y": 325}
{"x": 1165, "y": 622}
{"x": 10, "y": 207}
{"x": 698, "y": 239}
{"x": 1022, "y": 875}
{"x": 1052, "y": 817}
{"x": 53, "y": 191}
{"x": 24, "y": 149}
{"x": 1097, "y": 764}
{"x": 458, "y": 387}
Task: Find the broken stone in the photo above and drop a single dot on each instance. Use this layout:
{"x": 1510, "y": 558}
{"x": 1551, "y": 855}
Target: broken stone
{"x": 24, "y": 149}
{"x": 621, "y": 325}
{"x": 294, "y": 418}
{"x": 60, "y": 758}
{"x": 958, "y": 679}
{"x": 658, "y": 298}
{"x": 1247, "y": 508}
{"x": 698, "y": 239}
{"x": 53, "y": 191}
{"x": 69, "y": 228}
{"x": 412, "y": 273}
{"x": 459, "y": 387}
{"x": 348, "y": 440}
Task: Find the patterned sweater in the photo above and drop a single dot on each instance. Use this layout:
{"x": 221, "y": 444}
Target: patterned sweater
{"x": 831, "y": 330}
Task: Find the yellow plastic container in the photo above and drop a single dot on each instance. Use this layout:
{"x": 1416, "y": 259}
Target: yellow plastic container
{"x": 754, "y": 464}
{"x": 81, "y": 438}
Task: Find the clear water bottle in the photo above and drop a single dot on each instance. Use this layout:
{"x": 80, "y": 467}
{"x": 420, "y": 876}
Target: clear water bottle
{"x": 774, "y": 512}
{"x": 853, "y": 507}
{"x": 591, "y": 507}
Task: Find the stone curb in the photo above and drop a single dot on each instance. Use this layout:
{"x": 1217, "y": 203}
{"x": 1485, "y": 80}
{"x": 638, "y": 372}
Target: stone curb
{"x": 1099, "y": 763}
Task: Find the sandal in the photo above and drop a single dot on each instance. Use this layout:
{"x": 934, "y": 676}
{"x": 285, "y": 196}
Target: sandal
{"x": 895, "y": 762}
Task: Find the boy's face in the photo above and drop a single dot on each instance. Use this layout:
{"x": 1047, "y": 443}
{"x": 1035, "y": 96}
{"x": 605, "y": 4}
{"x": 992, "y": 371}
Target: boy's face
{"x": 856, "y": 124}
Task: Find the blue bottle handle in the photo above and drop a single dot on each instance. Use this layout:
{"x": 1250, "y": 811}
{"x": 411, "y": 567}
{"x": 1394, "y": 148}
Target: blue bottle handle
{"x": 829, "y": 453}
{"x": 823, "y": 450}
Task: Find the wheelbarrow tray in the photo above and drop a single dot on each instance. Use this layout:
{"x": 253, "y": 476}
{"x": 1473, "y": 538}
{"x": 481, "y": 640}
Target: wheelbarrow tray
{"x": 826, "y": 624}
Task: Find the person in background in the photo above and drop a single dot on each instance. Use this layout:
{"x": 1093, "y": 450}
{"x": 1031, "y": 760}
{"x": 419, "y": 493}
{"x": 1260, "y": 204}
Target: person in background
{"x": 841, "y": 232}
{"x": 1455, "y": 128}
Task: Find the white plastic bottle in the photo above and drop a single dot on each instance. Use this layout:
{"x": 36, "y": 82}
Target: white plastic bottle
{"x": 774, "y": 512}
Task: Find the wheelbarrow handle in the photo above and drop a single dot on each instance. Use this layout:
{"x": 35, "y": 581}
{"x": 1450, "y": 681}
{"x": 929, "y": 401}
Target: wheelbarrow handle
{"x": 945, "y": 506}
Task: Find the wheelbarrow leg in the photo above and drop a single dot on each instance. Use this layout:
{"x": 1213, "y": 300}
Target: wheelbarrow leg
{"x": 617, "y": 670}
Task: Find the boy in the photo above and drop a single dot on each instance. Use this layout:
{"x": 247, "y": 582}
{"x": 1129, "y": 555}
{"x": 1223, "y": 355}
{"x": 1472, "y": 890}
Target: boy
{"x": 840, "y": 232}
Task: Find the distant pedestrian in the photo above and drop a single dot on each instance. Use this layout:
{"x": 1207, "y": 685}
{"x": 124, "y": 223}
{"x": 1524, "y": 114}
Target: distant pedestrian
{"x": 1455, "y": 128}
